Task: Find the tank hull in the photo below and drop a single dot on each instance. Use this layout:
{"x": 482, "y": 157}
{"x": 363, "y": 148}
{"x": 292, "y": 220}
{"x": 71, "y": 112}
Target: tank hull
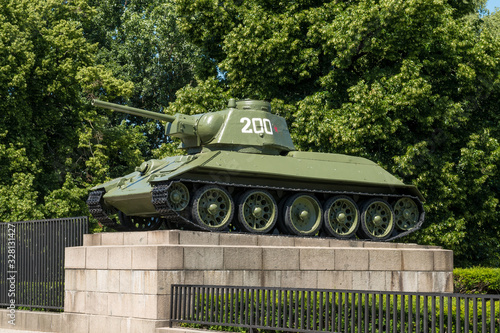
{"x": 320, "y": 175}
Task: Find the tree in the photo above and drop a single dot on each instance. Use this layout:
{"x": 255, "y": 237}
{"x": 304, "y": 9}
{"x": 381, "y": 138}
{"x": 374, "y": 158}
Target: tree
{"x": 141, "y": 43}
{"x": 412, "y": 85}
{"x": 45, "y": 64}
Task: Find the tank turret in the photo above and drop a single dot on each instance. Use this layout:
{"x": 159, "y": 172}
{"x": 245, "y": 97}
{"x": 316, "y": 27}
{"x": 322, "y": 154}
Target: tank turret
{"x": 244, "y": 126}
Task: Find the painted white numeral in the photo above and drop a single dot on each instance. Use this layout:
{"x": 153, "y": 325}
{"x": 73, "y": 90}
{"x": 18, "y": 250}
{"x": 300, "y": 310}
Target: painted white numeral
{"x": 256, "y": 125}
{"x": 246, "y": 127}
{"x": 267, "y": 126}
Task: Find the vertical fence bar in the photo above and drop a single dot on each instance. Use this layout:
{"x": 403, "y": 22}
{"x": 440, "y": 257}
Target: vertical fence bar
{"x": 492, "y": 315}
{"x": 360, "y": 317}
{"x": 231, "y": 307}
{"x": 402, "y": 313}
{"x": 353, "y": 308}
{"x": 205, "y": 304}
{"x": 372, "y": 306}
{"x": 474, "y": 313}
{"x": 275, "y": 303}
{"x": 341, "y": 312}
{"x": 184, "y": 303}
{"x": 394, "y": 313}
{"x": 380, "y": 311}
{"x": 250, "y": 304}
{"x": 334, "y": 302}
{"x": 216, "y": 303}
{"x": 296, "y": 303}
{"x": 327, "y": 311}
{"x": 450, "y": 314}
{"x": 51, "y": 272}
{"x": 261, "y": 312}
{"x": 346, "y": 311}
{"x": 441, "y": 314}
{"x": 243, "y": 306}
{"x": 387, "y": 313}
{"x": 172, "y": 308}
{"x": 196, "y": 305}
{"x": 367, "y": 305}
{"x": 433, "y": 314}
{"x": 189, "y": 302}
{"x": 410, "y": 313}
{"x": 311, "y": 309}
{"x": 426, "y": 314}
{"x": 265, "y": 319}
{"x": 321, "y": 311}
{"x": 483, "y": 315}
{"x": 466, "y": 310}
{"x": 280, "y": 305}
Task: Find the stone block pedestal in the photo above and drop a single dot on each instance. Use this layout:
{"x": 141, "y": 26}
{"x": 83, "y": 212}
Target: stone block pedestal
{"x": 120, "y": 282}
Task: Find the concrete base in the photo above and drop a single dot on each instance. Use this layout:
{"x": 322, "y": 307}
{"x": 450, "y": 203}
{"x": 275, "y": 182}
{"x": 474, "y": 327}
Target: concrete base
{"x": 31, "y": 321}
{"x": 120, "y": 282}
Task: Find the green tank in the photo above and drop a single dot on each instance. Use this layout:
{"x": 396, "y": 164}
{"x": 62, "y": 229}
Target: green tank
{"x": 242, "y": 173}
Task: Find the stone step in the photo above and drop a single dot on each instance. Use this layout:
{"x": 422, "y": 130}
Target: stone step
{"x": 183, "y": 237}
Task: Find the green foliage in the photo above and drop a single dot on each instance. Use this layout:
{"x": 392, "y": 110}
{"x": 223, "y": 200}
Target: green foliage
{"x": 412, "y": 85}
{"x": 46, "y": 65}
{"x": 477, "y": 280}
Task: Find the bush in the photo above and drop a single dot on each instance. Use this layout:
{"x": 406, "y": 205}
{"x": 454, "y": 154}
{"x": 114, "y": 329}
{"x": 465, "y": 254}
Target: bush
{"x": 477, "y": 280}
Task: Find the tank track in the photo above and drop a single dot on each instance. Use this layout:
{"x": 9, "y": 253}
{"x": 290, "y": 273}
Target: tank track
{"x": 94, "y": 202}
{"x": 182, "y": 219}
{"x": 160, "y": 201}
{"x": 162, "y": 206}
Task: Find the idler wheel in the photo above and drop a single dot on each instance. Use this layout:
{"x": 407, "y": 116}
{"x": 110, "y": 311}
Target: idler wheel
{"x": 406, "y": 213}
{"x": 257, "y": 211}
{"x": 341, "y": 217}
{"x": 139, "y": 223}
{"x": 213, "y": 207}
{"x": 377, "y": 220}
{"x": 178, "y": 196}
{"x": 302, "y": 214}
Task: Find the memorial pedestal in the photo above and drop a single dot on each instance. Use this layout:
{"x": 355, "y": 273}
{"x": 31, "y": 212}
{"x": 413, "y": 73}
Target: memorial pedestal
{"x": 120, "y": 282}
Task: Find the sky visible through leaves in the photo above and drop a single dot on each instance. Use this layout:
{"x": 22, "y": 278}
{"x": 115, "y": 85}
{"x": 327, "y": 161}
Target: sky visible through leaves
{"x": 492, "y": 4}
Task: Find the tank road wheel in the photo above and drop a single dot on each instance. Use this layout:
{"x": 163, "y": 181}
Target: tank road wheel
{"x": 341, "y": 217}
{"x": 178, "y": 196}
{"x": 407, "y": 214}
{"x": 257, "y": 211}
{"x": 213, "y": 207}
{"x": 302, "y": 214}
{"x": 139, "y": 223}
{"x": 377, "y": 220}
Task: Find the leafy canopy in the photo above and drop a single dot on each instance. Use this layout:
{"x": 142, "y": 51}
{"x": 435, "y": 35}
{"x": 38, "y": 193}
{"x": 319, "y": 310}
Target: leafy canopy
{"x": 413, "y": 85}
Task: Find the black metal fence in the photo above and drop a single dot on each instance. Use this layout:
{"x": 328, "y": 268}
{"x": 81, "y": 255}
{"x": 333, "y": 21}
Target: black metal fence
{"x": 32, "y": 261}
{"x": 307, "y": 310}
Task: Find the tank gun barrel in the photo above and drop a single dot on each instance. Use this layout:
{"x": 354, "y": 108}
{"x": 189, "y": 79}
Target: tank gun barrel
{"x": 133, "y": 111}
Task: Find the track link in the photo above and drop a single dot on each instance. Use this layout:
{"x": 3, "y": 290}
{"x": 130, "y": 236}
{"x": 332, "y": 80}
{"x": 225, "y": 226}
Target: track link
{"x": 94, "y": 202}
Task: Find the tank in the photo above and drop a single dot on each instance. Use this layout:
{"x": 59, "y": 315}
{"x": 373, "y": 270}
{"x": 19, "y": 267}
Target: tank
{"x": 242, "y": 173}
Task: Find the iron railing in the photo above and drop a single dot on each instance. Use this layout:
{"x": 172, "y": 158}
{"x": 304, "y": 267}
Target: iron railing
{"x": 315, "y": 310}
{"x": 32, "y": 261}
